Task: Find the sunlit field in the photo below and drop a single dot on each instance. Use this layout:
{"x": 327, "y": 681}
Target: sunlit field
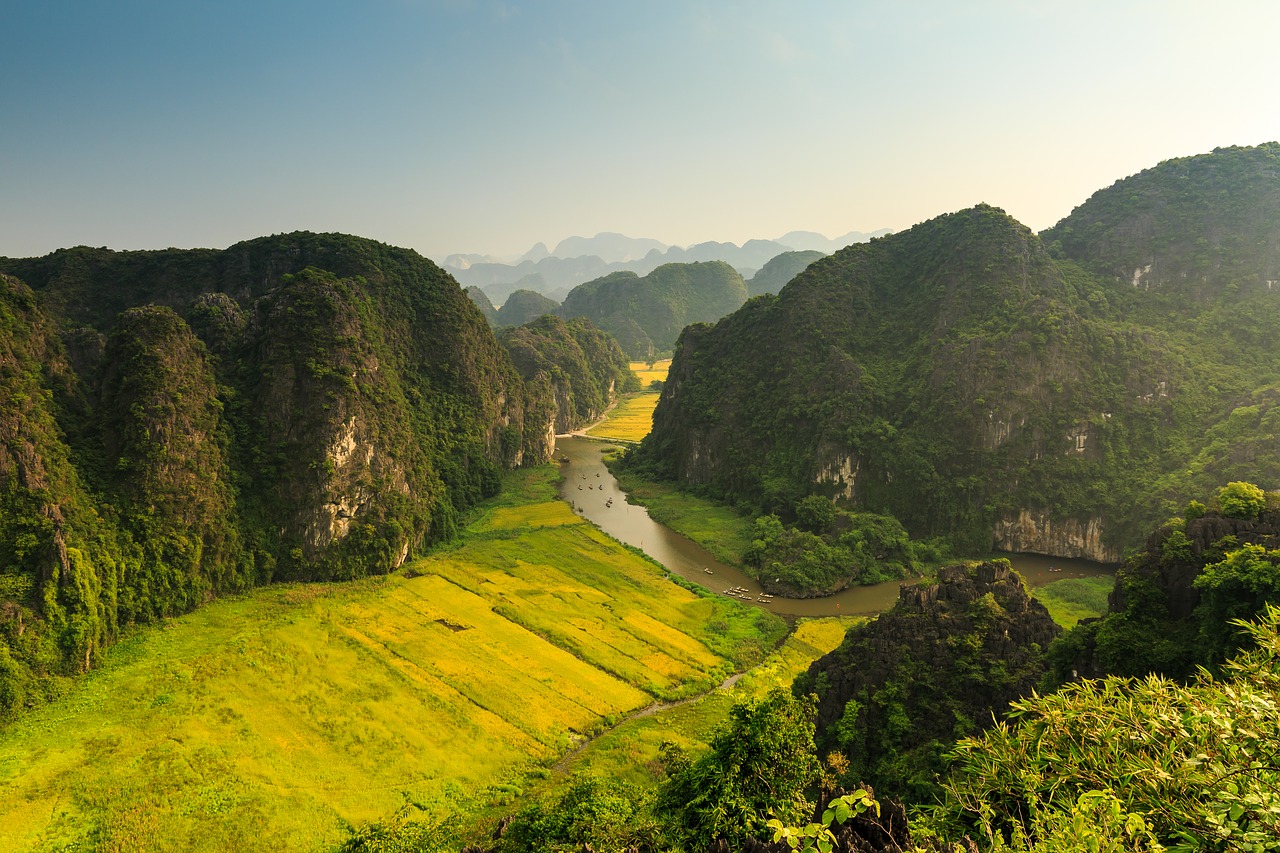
{"x": 647, "y": 374}
{"x": 630, "y": 750}
{"x": 632, "y": 419}
{"x": 280, "y": 719}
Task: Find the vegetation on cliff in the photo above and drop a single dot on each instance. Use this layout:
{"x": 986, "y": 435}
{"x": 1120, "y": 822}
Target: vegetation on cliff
{"x": 305, "y": 406}
{"x": 976, "y": 381}
{"x": 904, "y": 687}
{"x": 583, "y": 367}
{"x": 1174, "y": 603}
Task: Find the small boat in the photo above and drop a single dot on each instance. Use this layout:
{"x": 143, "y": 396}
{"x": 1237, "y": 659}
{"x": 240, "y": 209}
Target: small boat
{"x": 564, "y": 458}
{"x": 708, "y": 571}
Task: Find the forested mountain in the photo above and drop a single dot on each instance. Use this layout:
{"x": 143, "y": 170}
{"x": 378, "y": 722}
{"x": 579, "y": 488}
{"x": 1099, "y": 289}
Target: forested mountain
{"x": 646, "y": 314}
{"x": 780, "y": 270}
{"x": 523, "y": 306}
{"x": 984, "y": 384}
{"x": 305, "y": 406}
{"x": 583, "y": 369}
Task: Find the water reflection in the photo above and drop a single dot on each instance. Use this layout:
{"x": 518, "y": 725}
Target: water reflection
{"x": 593, "y": 492}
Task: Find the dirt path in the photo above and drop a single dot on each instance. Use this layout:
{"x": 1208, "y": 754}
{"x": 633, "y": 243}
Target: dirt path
{"x": 562, "y": 766}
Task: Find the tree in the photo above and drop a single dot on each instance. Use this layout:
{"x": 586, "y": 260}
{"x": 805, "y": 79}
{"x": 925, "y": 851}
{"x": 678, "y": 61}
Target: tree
{"x": 815, "y": 513}
{"x": 759, "y": 766}
{"x": 1241, "y": 500}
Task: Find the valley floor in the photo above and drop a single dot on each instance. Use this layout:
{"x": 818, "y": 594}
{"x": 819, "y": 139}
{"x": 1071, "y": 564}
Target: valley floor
{"x": 280, "y": 719}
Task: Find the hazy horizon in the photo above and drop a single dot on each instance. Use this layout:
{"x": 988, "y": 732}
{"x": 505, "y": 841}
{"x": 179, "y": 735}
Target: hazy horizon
{"x": 456, "y": 127}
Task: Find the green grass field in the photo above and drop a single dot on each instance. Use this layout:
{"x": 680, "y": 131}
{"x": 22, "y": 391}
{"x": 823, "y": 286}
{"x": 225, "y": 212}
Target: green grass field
{"x": 279, "y": 719}
{"x": 630, "y": 420}
{"x": 1072, "y": 599}
{"x": 714, "y": 526}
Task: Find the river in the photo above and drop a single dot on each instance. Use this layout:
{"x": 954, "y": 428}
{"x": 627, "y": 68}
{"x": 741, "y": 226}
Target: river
{"x": 594, "y": 493}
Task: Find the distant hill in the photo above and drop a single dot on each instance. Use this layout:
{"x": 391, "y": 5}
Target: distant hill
{"x": 780, "y": 270}
{"x": 646, "y": 314}
{"x": 978, "y": 382}
{"x": 609, "y": 247}
{"x": 576, "y": 260}
{"x": 813, "y": 241}
{"x": 523, "y": 306}
{"x": 481, "y": 300}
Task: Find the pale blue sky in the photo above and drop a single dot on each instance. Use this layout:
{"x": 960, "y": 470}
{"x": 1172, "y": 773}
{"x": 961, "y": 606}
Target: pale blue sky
{"x": 456, "y": 126}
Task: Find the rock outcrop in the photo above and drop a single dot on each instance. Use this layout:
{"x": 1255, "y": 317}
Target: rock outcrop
{"x": 937, "y": 666}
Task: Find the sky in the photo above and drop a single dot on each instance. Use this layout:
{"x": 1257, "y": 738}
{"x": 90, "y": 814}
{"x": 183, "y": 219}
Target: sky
{"x": 486, "y": 126}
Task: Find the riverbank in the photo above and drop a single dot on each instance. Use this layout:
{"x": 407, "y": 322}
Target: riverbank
{"x": 602, "y": 500}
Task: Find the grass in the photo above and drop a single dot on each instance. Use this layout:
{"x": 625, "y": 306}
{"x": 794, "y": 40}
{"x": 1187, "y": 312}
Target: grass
{"x": 632, "y": 419}
{"x": 280, "y": 719}
{"x": 1072, "y": 599}
{"x": 630, "y": 750}
{"x": 715, "y": 526}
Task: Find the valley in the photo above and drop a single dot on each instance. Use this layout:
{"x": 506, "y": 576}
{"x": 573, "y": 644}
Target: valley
{"x": 303, "y": 546}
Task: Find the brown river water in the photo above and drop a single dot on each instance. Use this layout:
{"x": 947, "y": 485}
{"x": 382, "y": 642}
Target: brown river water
{"x": 588, "y": 487}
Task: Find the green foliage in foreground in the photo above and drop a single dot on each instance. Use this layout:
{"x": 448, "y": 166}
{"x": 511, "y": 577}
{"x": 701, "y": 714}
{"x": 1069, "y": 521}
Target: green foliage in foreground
{"x": 762, "y": 763}
{"x": 1197, "y": 761}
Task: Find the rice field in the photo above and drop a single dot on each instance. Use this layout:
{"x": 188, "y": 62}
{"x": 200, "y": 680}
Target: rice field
{"x": 647, "y": 374}
{"x": 280, "y": 719}
{"x": 632, "y": 419}
{"x": 630, "y": 751}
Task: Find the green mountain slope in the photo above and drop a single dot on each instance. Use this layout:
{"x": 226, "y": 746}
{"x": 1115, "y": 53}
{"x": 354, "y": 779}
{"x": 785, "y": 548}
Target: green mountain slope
{"x": 583, "y": 368}
{"x": 306, "y": 406}
{"x": 523, "y": 306}
{"x": 646, "y": 314}
{"x": 780, "y": 270}
{"x": 964, "y": 379}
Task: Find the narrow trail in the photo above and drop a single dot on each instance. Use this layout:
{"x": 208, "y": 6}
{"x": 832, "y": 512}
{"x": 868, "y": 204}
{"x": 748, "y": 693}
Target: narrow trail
{"x": 562, "y": 766}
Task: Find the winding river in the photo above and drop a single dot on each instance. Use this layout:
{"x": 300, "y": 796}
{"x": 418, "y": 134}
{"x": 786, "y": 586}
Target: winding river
{"x": 594, "y": 493}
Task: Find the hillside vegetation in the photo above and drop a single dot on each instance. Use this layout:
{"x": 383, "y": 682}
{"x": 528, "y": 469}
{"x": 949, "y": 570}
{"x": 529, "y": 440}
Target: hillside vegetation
{"x": 187, "y": 423}
{"x": 981, "y": 383}
{"x": 647, "y": 313}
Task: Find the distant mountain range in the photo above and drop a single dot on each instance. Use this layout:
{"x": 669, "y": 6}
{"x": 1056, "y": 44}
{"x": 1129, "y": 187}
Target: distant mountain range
{"x": 580, "y": 259}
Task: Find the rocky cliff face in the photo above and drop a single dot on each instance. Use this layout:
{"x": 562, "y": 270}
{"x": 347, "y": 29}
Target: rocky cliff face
{"x": 1041, "y": 533}
{"x": 935, "y": 667}
{"x": 581, "y": 367}
{"x": 301, "y": 406}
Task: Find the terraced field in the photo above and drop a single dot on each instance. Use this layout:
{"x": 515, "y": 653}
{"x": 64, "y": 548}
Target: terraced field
{"x": 280, "y": 719}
